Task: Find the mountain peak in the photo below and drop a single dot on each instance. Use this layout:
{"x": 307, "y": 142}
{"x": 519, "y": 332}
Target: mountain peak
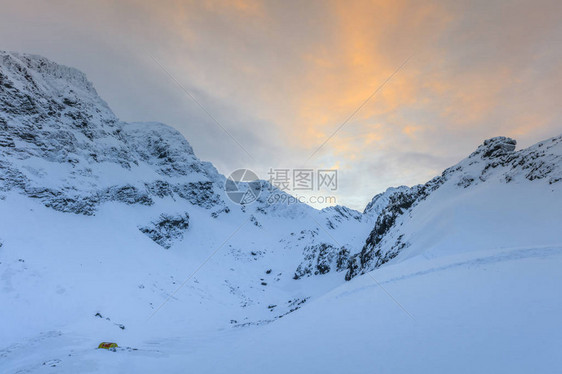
{"x": 31, "y": 66}
{"x": 495, "y": 147}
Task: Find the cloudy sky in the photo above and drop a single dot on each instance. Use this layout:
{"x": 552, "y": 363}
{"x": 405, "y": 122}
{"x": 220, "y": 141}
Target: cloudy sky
{"x": 282, "y": 76}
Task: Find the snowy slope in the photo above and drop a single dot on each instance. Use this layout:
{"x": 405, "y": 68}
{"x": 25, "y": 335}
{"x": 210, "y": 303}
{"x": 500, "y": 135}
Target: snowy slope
{"x": 114, "y": 231}
{"x": 482, "y": 311}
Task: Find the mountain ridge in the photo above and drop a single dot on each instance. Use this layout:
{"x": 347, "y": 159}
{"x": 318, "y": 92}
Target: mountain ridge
{"x": 51, "y": 114}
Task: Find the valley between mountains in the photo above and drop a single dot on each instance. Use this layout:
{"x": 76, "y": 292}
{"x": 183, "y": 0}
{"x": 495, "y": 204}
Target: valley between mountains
{"x": 115, "y": 231}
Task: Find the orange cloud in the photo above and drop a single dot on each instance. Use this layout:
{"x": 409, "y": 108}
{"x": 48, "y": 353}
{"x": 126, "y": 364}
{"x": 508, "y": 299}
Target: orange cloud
{"x": 367, "y": 43}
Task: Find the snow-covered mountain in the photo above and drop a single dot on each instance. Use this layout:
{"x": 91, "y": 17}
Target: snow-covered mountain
{"x": 490, "y": 199}
{"x": 114, "y": 231}
{"x": 68, "y": 158}
{"x": 62, "y": 145}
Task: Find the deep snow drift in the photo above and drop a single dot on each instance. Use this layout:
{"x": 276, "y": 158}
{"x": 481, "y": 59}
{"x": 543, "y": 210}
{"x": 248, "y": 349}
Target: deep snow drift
{"x": 112, "y": 231}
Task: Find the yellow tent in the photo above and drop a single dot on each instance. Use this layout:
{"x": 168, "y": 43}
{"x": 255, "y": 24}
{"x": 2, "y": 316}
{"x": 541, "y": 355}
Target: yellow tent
{"x": 106, "y": 345}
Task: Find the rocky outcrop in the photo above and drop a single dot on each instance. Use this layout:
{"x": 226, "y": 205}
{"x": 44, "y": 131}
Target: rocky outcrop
{"x": 495, "y": 147}
{"x": 321, "y": 259}
{"x": 371, "y": 255}
{"x": 167, "y": 229}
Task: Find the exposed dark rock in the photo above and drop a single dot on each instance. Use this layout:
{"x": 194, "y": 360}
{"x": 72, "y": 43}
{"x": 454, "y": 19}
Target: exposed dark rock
{"x": 495, "y": 147}
{"x": 199, "y": 193}
{"x": 321, "y": 259}
{"x": 167, "y": 229}
{"x": 126, "y": 194}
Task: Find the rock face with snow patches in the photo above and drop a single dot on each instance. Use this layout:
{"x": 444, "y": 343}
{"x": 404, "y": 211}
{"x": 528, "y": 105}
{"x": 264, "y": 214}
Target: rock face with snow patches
{"x": 495, "y": 161}
{"x": 63, "y": 145}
